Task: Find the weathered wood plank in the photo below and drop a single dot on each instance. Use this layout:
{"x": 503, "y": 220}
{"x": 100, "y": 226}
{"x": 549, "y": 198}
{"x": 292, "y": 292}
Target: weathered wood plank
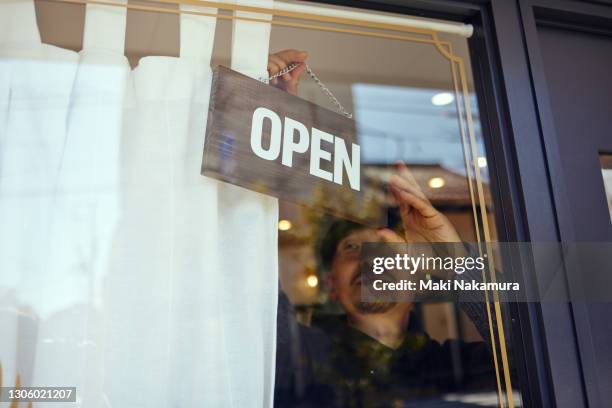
{"x": 229, "y": 156}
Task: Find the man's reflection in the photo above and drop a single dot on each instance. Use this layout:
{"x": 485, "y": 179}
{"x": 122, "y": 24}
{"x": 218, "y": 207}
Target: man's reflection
{"x": 384, "y": 321}
{"x": 375, "y": 354}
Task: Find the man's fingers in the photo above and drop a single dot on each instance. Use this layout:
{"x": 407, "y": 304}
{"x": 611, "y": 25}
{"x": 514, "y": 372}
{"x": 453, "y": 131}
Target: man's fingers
{"x": 281, "y": 60}
{"x": 286, "y": 57}
{"x": 289, "y": 57}
{"x": 273, "y": 68}
{"x": 400, "y": 183}
{"x": 281, "y": 64}
{"x": 406, "y": 179}
{"x": 297, "y": 73}
{"x": 292, "y": 86}
{"x": 421, "y": 205}
{"x": 402, "y": 168}
{"x": 292, "y": 55}
{"x": 398, "y": 200}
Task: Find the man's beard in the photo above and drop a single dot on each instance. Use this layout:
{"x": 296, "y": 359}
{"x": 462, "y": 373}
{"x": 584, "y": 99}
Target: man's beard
{"x": 374, "y": 307}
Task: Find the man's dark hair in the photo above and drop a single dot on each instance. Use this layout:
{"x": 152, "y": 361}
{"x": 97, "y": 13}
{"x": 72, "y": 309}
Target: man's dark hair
{"x": 331, "y": 236}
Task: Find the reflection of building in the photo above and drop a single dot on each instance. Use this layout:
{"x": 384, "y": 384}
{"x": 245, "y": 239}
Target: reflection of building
{"x": 445, "y": 188}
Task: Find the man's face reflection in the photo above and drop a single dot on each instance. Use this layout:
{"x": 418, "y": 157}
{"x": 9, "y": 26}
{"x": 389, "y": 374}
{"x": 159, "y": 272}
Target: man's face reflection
{"x": 345, "y": 277}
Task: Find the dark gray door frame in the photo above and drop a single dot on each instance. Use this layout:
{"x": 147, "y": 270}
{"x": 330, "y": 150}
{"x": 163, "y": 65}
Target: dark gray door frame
{"x": 527, "y": 180}
{"x": 588, "y": 18}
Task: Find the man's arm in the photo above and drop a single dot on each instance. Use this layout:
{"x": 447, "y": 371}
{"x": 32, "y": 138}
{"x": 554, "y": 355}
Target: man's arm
{"x": 422, "y": 222}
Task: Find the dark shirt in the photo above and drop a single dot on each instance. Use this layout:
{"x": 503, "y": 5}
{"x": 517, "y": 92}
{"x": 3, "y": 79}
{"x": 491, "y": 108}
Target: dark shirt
{"x": 334, "y": 365}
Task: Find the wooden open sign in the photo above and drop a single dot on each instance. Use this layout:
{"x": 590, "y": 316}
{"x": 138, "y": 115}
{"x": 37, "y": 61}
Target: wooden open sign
{"x": 263, "y": 139}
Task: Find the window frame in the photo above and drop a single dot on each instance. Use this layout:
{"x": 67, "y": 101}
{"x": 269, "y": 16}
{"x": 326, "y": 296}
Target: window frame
{"x": 523, "y": 190}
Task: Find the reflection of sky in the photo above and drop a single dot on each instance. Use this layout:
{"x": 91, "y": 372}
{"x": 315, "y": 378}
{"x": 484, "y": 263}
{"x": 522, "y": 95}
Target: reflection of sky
{"x": 401, "y": 123}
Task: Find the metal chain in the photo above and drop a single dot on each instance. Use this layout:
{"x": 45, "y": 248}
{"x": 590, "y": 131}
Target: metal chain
{"x": 315, "y": 78}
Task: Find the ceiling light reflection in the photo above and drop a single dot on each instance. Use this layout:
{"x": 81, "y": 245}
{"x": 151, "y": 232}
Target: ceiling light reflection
{"x": 312, "y": 281}
{"x": 436, "y": 182}
{"x": 284, "y": 225}
{"x": 442, "y": 99}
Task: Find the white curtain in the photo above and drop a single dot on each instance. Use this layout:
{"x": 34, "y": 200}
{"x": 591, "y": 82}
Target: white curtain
{"x": 123, "y": 271}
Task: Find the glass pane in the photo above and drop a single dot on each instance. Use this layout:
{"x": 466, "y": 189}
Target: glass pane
{"x": 115, "y": 249}
{"x": 410, "y": 106}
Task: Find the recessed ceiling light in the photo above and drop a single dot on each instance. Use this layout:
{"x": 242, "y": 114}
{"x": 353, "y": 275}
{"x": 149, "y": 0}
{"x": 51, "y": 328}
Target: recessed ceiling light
{"x": 442, "y": 98}
{"x": 482, "y": 162}
{"x": 284, "y": 225}
{"x": 436, "y": 182}
{"x": 312, "y": 281}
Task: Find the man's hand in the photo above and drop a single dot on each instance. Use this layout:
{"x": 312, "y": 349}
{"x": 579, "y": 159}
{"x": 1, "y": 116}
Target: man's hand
{"x": 289, "y": 81}
{"x": 421, "y": 221}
